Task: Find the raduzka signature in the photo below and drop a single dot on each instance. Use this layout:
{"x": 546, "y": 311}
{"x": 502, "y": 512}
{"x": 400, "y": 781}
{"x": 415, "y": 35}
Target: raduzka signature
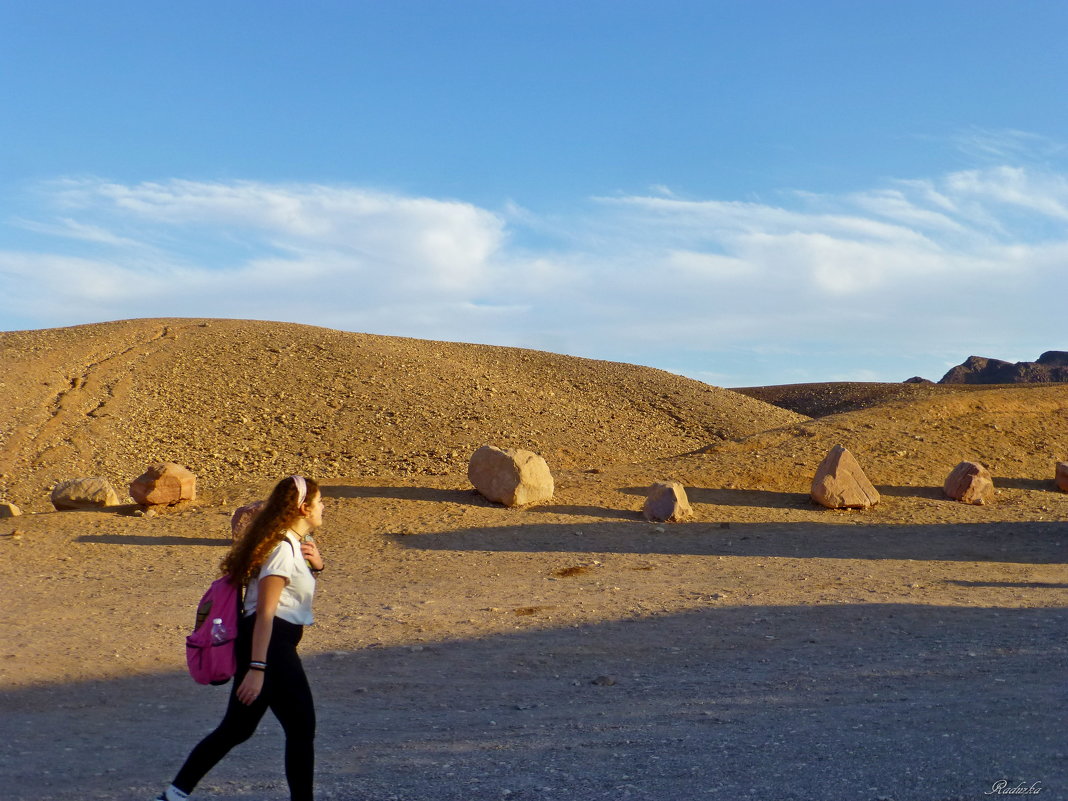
{"x": 1001, "y": 787}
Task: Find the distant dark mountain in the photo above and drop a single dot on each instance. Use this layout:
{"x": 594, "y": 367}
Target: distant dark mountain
{"x": 1051, "y": 367}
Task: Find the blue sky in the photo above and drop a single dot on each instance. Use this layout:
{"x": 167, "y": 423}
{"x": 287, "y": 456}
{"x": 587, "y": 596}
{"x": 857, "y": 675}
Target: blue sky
{"x": 743, "y": 192}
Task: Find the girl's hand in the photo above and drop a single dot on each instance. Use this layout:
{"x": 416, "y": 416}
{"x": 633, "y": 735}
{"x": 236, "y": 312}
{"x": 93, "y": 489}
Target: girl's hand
{"x": 251, "y": 687}
{"x": 311, "y": 552}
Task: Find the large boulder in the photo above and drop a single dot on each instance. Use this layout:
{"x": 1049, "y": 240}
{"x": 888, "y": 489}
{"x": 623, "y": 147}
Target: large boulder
{"x": 667, "y": 503}
{"x": 970, "y": 482}
{"x": 510, "y": 476}
{"x": 1061, "y": 476}
{"x": 840, "y": 482}
{"x": 84, "y": 493}
{"x": 163, "y": 485}
{"x": 243, "y": 516}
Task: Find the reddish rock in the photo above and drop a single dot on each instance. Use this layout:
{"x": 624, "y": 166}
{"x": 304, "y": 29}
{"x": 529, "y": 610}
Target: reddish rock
{"x": 163, "y": 485}
{"x": 1061, "y": 476}
{"x": 84, "y": 493}
{"x": 243, "y": 517}
{"x": 970, "y": 482}
{"x": 510, "y": 476}
{"x": 840, "y": 482}
{"x": 667, "y": 503}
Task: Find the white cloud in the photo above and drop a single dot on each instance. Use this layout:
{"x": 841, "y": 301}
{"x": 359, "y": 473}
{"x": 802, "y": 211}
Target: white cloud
{"x": 1043, "y": 194}
{"x": 72, "y": 229}
{"x": 419, "y": 240}
{"x": 688, "y": 265}
{"x": 1007, "y": 146}
{"x": 894, "y": 204}
{"x": 910, "y": 266}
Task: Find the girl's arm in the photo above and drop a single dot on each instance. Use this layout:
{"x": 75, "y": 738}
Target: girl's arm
{"x": 270, "y": 591}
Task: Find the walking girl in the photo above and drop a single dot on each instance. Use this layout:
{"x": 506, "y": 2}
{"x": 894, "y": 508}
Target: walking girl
{"x": 279, "y": 569}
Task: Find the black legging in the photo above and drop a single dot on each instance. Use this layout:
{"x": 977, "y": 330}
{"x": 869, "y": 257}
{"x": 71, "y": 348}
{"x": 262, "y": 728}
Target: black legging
{"x": 285, "y": 693}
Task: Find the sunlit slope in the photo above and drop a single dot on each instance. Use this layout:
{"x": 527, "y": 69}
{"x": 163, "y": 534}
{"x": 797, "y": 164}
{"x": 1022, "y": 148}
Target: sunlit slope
{"x": 242, "y": 401}
{"x": 1019, "y": 433}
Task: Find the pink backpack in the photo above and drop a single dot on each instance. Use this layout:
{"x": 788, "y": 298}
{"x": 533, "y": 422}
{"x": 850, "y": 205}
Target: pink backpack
{"x": 212, "y": 659}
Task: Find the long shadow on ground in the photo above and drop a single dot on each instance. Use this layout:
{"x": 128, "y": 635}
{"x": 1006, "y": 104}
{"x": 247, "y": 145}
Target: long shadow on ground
{"x": 764, "y": 499}
{"x": 838, "y": 703}
{"x": 429, "y": 494}
{"x": 1034, "y": 542}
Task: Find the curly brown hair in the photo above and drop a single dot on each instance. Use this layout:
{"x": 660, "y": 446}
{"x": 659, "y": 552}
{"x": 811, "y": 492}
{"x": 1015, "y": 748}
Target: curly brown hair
{"x": 266, "y": 530}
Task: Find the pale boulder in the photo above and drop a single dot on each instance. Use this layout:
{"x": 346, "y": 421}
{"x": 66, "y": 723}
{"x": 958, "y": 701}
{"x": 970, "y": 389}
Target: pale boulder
{"x": 970, "y": 482}
{"x": 1061, "y": 476}
{"x": 243, "y": 516}
{"x": 510, "y": 476}
{"x": 84, "y": 493}
{"x": 9, "y": 510}
{"x": 840, "y": 482}
{"x": 667, "y": 503}
{"x": 163, "y": 485}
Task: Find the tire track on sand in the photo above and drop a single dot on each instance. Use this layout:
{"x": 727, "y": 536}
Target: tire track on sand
{"x": 74, "y": 408}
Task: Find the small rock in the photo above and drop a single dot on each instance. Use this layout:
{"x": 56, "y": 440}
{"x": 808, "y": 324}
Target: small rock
{"x": 970, "y": 482}
{"x": 84, "y": 493}
{"x": 840, "y": 482}
{"x": 604, "y": 681}
{"x": 509, "y": 476}
{"x": 243, "y": 516}
{"x": 667, "y": 503}
{"x": 164, "y": 484}
{"x": 9, "y": 510}
{"x": 1061, "y": 476}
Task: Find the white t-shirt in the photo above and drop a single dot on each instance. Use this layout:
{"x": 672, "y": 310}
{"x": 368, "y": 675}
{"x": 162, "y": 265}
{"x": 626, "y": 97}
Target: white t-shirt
{"x": 295, "y": 604}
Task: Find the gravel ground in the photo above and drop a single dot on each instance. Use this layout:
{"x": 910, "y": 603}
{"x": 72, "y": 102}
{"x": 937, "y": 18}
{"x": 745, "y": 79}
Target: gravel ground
{"x": 743, "y": 703}
{"x": 689, "y": 672}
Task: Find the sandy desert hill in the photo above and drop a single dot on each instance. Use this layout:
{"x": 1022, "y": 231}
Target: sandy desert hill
{"x": 242, "y": 401}
{"x": 769, "y": 648}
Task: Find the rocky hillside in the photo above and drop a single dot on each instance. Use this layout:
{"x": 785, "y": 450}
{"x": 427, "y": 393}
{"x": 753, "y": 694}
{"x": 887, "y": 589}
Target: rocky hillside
{"x": 838, "y": 397}
{"x": 834, "y": 397}
{"x": 1052, "y": 366}
{"x": 245, "y": 401}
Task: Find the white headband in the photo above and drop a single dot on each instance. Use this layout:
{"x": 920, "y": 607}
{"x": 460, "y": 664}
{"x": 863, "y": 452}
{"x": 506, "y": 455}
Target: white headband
{"x": 302, "y": 488}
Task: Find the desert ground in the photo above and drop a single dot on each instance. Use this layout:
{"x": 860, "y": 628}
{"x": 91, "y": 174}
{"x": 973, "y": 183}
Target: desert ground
{"x": 768, "y": 649}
